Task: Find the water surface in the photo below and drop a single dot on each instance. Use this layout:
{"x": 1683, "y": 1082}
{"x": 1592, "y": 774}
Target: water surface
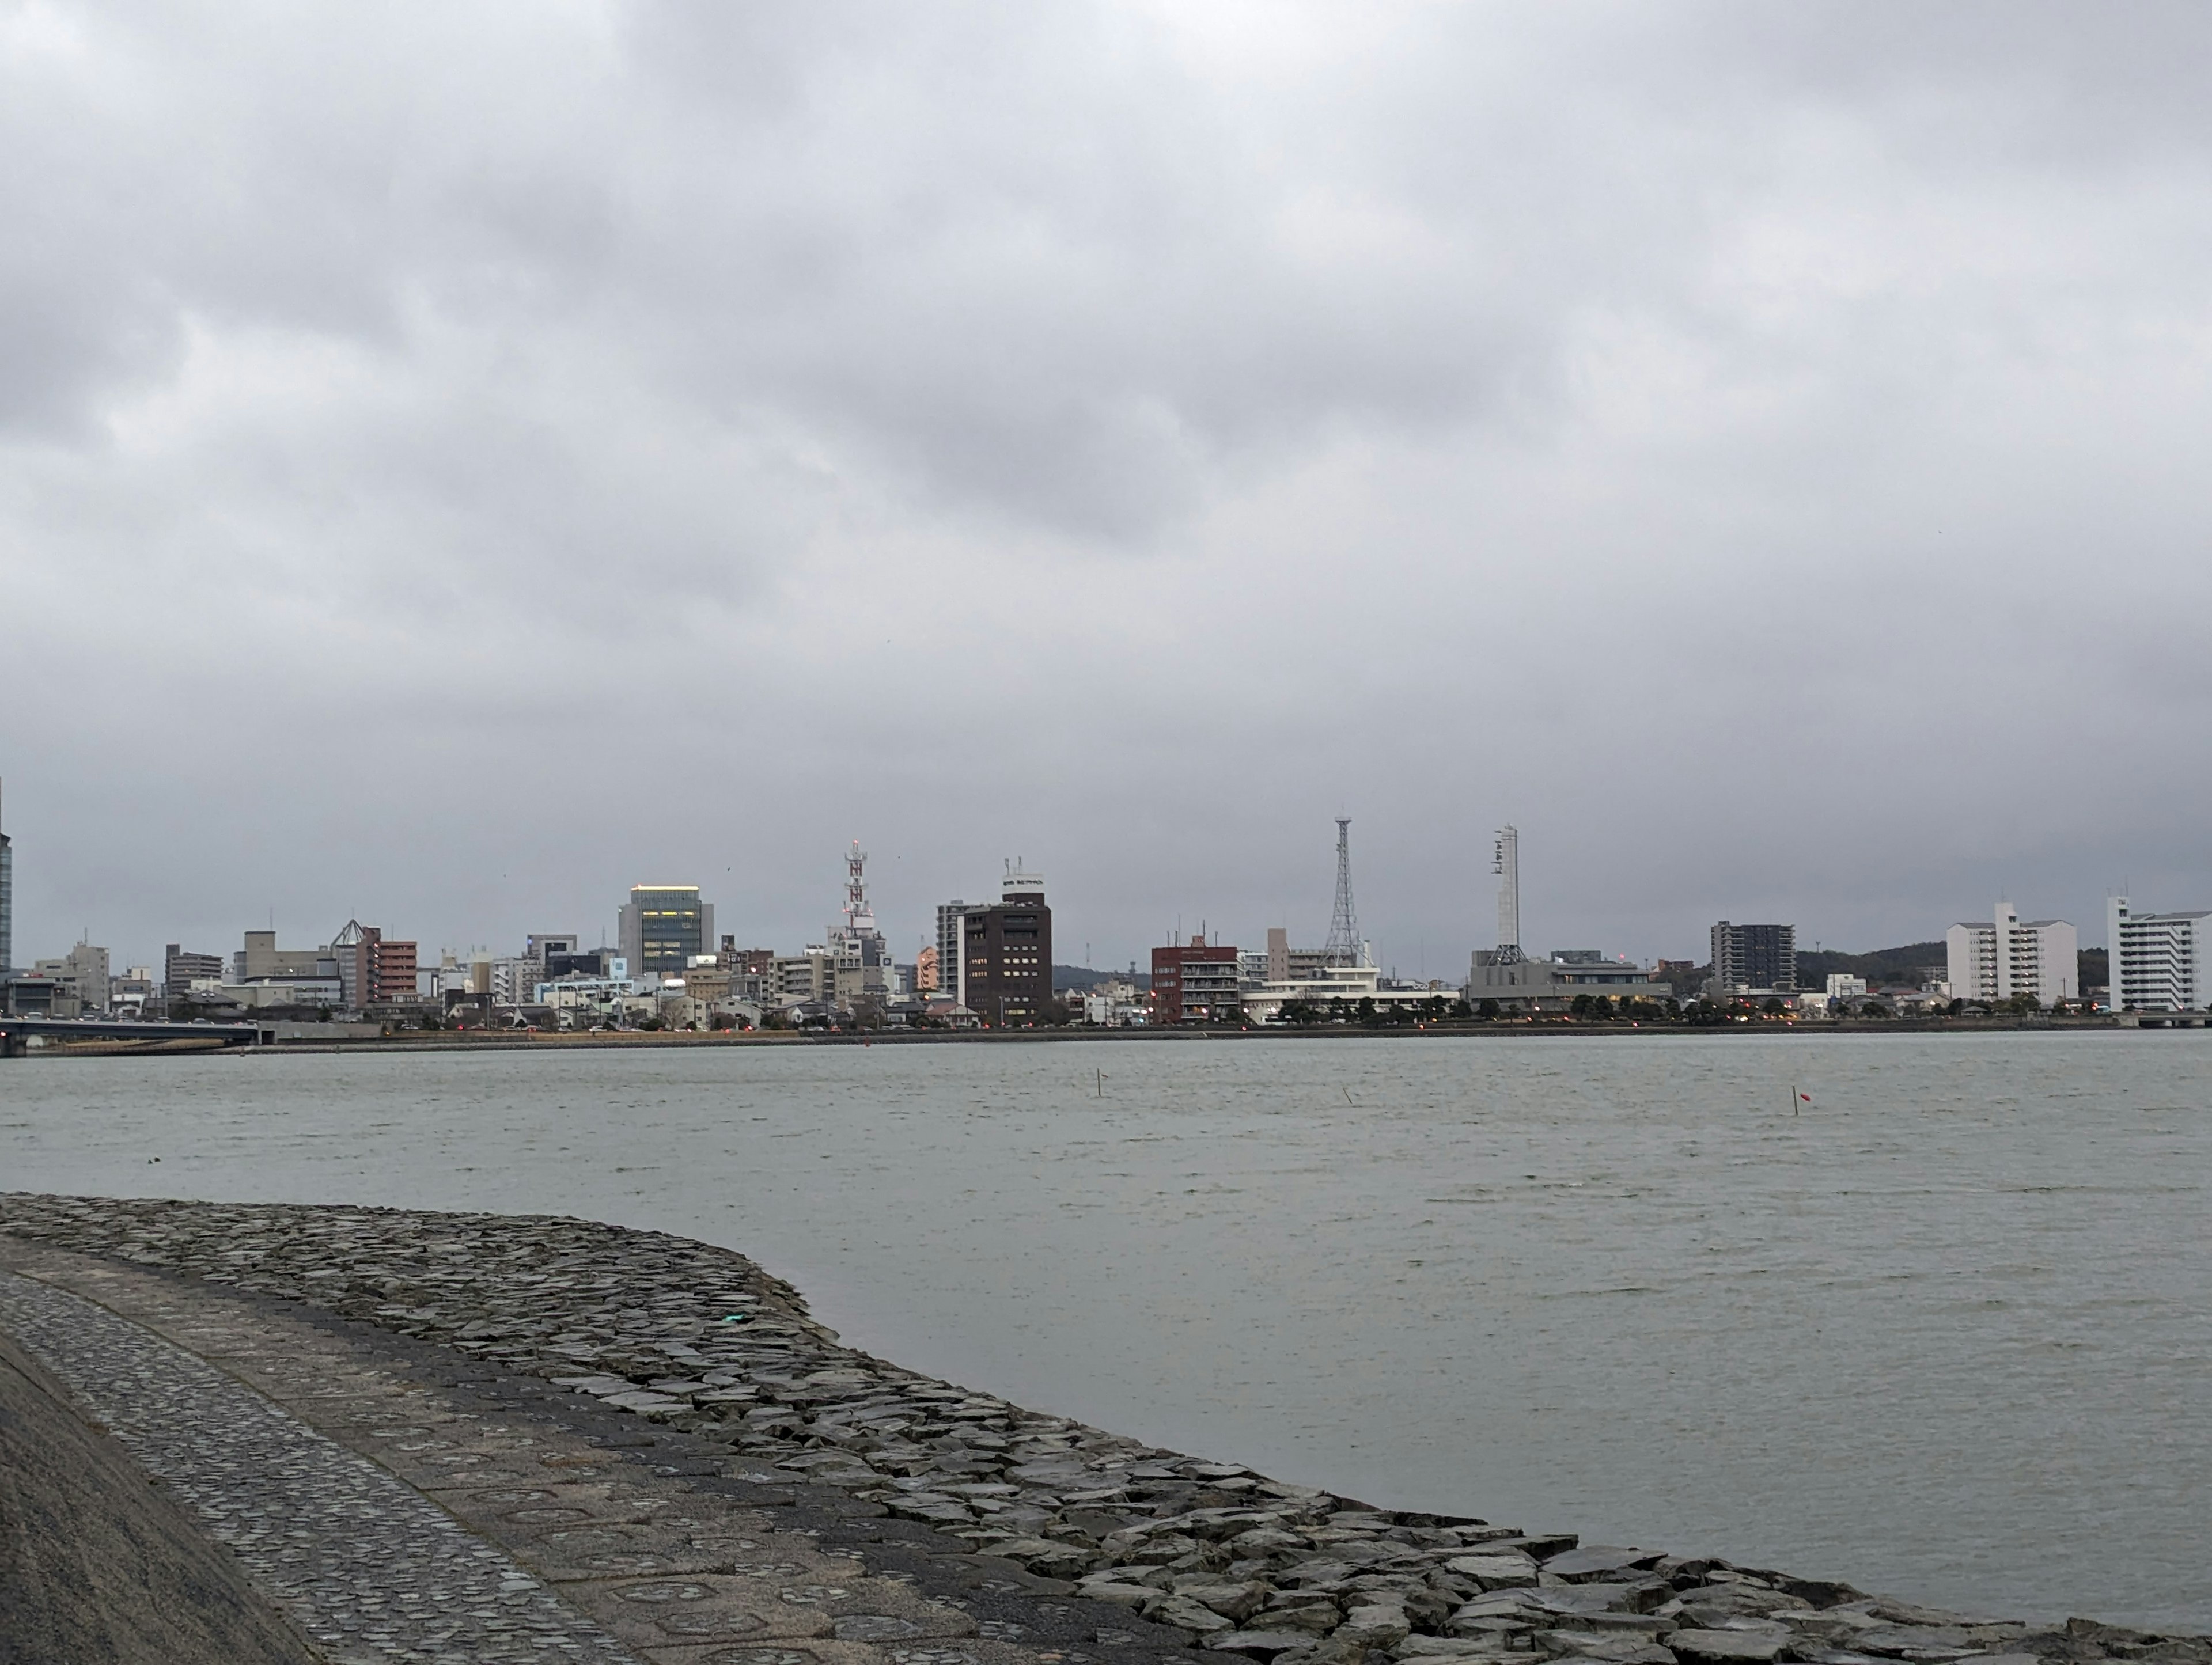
{"x": 1944, "y": 1333}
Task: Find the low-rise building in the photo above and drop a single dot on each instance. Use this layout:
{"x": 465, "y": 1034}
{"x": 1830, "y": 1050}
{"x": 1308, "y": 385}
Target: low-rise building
{"x": 1116, "y": 1003}
{"x": 135, "y": 991}
{"x": 261, "y": 959}
{"x": 285, "y": 993}
{"x": 1332, "y": 991}
{"x": 1521, "y": 984}
{"x": 82, "y": 973}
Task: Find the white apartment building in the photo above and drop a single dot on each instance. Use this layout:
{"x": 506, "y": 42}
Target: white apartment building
{"x": 2161, "y": 962}
{"x": 2011, "y": 956}
{"x": 514, "y": 980}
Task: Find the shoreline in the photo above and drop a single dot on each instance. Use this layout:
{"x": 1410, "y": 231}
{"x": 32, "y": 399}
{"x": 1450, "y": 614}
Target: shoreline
{"x": 702, "y": 1341}
{"x": 480, "y": 1042}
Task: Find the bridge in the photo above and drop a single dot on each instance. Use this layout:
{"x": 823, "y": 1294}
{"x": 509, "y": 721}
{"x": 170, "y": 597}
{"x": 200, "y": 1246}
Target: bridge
{"x": 15, "y": 1032}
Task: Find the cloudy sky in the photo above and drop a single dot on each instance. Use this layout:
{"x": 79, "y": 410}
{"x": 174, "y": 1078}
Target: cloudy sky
{"x": 457, "y": 461}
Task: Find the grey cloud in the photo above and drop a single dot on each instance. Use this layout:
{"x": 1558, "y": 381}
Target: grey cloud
{"x": 1092, "y": 430}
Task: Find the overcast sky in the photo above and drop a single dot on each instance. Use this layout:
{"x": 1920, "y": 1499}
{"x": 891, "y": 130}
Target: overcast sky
{"x": 457, "y": 461}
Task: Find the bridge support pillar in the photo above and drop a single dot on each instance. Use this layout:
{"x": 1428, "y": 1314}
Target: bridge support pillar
{"x": 15, "y": 1046}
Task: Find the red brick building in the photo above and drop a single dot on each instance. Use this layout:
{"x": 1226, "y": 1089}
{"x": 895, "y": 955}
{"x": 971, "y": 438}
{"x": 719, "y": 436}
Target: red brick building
{"x": 1195, "y": 983}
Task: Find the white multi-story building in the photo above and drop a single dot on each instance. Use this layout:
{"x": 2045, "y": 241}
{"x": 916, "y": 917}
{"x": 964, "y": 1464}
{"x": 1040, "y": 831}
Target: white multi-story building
{"x": 2159, "y": 962}
{"x": 2010, "y": 956}
{"x": 513, "y": 979}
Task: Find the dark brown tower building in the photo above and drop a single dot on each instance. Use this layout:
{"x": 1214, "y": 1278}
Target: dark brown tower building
{"x": 1005, "y": 955}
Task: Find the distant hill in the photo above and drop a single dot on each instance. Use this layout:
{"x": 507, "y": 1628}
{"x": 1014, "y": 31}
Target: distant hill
{"x": 1074, "y": 979}
{"x": 1908, "y": 967}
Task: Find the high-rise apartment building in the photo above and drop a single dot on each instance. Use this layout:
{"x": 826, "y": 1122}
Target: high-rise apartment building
{"x": 1006, "y": 954}
{"x": 1755, "y": 957}
{"x": 2159, "y": 962}
{"x": 662, "y": 925}
{"x": 374, "y": 970}
{"x": 949, "y": 934}
{"x": 2009, "y": 956}
{"x": 392, "y": 965}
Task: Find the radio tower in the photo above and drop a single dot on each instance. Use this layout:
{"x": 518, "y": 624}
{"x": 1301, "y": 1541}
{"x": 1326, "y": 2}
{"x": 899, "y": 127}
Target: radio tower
{"x": 859, "y": 918}
{"x": 1343, "y": 947}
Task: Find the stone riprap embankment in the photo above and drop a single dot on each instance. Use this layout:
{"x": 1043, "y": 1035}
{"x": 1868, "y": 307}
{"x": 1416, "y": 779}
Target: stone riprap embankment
{"x": 701, "y": 1338}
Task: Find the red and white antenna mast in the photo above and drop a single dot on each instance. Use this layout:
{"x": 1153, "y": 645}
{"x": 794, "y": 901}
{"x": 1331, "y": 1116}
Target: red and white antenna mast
{"x": 859, "y": 918}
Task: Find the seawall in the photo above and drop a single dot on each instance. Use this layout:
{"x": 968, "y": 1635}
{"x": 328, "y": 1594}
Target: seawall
{"x": 697, "y": 1340}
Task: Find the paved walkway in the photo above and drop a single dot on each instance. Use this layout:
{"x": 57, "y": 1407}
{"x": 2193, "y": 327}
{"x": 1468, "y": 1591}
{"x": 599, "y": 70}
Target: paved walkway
{"x": 397, "y": 1518}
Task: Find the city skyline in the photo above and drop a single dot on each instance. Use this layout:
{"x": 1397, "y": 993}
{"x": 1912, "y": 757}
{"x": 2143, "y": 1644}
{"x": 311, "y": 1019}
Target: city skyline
{"x": 1752, "y": 450}
{"x": 1181, "y": 930}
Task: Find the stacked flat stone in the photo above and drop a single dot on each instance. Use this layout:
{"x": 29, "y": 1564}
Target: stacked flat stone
{"x": 701, "y": 1339}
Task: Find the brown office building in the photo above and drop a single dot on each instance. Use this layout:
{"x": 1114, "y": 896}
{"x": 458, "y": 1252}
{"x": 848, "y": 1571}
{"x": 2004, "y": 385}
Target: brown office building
{"x": 1006, "y": 955}
{"x": 1195, "y": 983}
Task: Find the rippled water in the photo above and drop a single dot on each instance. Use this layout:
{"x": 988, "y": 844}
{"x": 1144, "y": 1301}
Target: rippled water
{"x": 1945, "y": 1334}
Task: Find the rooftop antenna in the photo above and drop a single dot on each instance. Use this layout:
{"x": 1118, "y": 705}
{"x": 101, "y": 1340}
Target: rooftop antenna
{"x": 1343, "y": 945}
{"x": 1505, "y": 862}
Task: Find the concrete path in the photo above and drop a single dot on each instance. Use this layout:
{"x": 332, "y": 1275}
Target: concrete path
{"x": 394, "y": 1517}
{"x": 96, "y": 1564}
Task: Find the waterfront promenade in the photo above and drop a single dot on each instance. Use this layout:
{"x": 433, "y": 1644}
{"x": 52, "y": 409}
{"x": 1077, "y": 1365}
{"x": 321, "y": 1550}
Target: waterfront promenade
{"x": 473, "y": 1436}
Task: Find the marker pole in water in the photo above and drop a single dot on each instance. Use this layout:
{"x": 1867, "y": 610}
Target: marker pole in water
{"x": 1793, "y": 1099}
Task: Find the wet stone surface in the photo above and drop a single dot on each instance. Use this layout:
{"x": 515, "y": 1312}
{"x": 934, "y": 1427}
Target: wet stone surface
{"x": 1003, "y": 1535}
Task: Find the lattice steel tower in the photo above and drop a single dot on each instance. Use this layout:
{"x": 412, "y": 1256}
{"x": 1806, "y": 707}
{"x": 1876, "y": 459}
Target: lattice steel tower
{"x": 859, "y": 918}
{"x": 1343, "y": 947}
